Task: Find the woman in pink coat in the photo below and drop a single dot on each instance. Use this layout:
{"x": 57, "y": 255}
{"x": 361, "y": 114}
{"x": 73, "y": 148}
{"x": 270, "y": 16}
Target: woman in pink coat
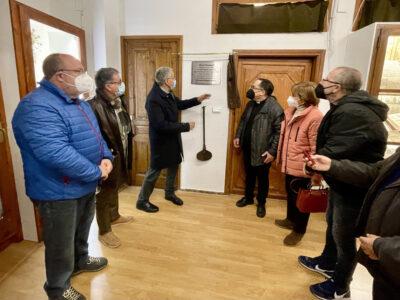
{"x": 298, "y": 134}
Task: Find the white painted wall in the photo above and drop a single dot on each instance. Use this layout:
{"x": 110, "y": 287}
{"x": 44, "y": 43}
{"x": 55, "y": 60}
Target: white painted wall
{"x": 208, "y": 175}
{"x": 104, "y": 20}
{"x": 192, "y": 19}
{"x": 359, "y": 50}
{"x": 65, "y": 10}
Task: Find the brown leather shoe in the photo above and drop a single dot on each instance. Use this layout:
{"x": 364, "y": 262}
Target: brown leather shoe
{"x": 122, "y": 220}
{"x": 293, "y": 238}
{"x": 284, "y": 223}
{"x": 110, "y": 240}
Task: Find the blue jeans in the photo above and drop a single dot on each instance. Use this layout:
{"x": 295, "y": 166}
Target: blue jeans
{"x": 66, "y": 225}
{"x": 340, "y": 250}
{"x": 149, "y": 183}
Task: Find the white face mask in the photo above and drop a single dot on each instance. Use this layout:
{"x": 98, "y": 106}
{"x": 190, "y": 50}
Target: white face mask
{"x": 121, "y": 89}
{"x": 292, "y": 102}
{"x": 173, "y": 85}
{"x": 88, "y": 95}
{"x": 83, "y": 82}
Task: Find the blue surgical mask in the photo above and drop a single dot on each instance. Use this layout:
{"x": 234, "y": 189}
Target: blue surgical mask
{"x": 121, "y": 89}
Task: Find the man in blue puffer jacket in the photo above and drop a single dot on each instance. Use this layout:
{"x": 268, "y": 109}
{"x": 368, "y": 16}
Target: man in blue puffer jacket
{"x": 64, "y": 158}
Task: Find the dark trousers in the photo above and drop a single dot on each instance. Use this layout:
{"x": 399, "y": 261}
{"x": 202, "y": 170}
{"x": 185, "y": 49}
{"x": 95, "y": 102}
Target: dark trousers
{"x": 107, "y": 204}
{"x": 253, "y": 173}
{"x": 299, "y": 219}
{"x": 382, "y": 290}
{"x": 340, "y": 246}
{"x": 150, "y": 179}
{"x": 66, "y": 225}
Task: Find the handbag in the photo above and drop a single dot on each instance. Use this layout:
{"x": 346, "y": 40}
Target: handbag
{"x": 311, "y": 199}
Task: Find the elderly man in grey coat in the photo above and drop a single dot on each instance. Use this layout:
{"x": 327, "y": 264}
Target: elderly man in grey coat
{"x": 165, "y": 130}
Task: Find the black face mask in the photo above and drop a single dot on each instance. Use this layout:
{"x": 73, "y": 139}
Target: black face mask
{"x": 320, "y": 91}
{"x": 250, "y": 94}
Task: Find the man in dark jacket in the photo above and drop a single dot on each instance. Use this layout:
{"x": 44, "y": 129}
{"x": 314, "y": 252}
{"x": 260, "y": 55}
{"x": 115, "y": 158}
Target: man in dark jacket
{"x": 258, "y": 136}
{"x": 352, "y": 129}
{"x": 162, "y": 107}
{"x": 115, "y": 125}
{"x": 379, "y": 222}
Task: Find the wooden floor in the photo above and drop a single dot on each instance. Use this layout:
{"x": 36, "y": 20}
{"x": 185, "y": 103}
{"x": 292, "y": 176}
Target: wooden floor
{"x": 207, "y": 249}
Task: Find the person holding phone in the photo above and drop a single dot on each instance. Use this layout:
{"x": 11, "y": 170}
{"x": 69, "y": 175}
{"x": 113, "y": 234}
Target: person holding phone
{"x": 378, "y": 225}
{"x": 298, "y": 138}
{"x": 352, "y": 129}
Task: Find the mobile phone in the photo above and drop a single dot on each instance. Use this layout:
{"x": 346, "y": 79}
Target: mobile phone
{"x": 308, "y": 156}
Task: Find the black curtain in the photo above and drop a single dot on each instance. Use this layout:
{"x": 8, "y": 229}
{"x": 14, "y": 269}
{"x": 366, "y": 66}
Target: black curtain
{"x": 380, "y": 11}
{"x": 272, "y": 18}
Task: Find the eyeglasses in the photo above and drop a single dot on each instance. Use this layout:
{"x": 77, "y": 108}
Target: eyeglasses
{"x": 256, "y": 88}
{"x": 327, "y": 80}
{"x": 114, "y": 82}
{"x": 72, "y": 70}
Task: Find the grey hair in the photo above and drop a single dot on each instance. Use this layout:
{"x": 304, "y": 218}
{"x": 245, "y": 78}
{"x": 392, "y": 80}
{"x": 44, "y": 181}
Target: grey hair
{"x": 104, "y": 76}
{"x": 51, "y": 65}
{"x": 349, "y": 79}
{"x": 162, "y": 74}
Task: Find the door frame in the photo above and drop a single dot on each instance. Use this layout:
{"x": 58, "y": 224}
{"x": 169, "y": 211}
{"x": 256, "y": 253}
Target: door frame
{"x": 383, "y": 31}
{"x": 317, "y": 56}
{"x": 10, "y": 204}
{"x": 178, "y": 75}
{"x": 20, "y": 15}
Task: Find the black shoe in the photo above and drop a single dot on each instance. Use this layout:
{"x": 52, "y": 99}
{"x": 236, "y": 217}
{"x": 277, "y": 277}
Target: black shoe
{"x": 261, "y": 210}
{"x": 92, "y": 264}
{"x": 174, "y": 199}
{"x": 243, "y": 202}
{"x": 147, "y": 207}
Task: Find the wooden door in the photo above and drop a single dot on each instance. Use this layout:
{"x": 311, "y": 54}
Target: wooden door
{"x": 141, "y": 56}
{"x": 10, "y": 221}
{"x": 283, "y": 73}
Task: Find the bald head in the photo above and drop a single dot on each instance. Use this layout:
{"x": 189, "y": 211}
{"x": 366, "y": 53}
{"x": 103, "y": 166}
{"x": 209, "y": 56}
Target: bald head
{"x": 61, "y": 70}
{"x": 59, "y": 61}
{"x": 349, "y": 78}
